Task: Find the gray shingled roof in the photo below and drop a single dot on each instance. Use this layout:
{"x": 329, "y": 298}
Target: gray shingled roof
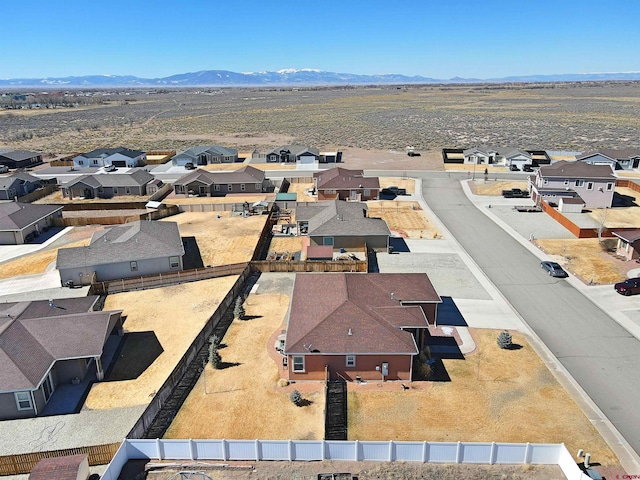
{"x": 194, "y": 152}
{"x": 22, "y": 177}
{"x": 107, "y": 152}
{"x": 338, "y": 178}
{"x": 340, "y": 218}
{"x": 135, "y": 179}
{"x": 247, "y": 174}
{"x": 356, "y": 313}
{"x": 16, "y": 215}
{"x": 295, "y": 150}
{"x": 33, "y": 335}
{"x": 578, "y": 170}
{"x": 123, "y": 243}
{"x": 18, "y": 155}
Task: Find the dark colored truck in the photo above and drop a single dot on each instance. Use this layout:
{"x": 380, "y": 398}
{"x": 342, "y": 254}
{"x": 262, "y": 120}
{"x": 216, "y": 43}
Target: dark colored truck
{"x": 515, "y": 193}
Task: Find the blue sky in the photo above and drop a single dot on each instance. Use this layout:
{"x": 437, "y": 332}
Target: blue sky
{"x": 440, "y": 39}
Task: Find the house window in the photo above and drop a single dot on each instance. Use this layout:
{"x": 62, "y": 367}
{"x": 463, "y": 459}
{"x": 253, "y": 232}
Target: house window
{"x": 330, "y": 191}
{"x": 216, "y": 188}
{"x": 579, "y": 183}
{"x": 80, "y": 162}
{"x": 589, "y": 185}
{"x": 327, "y": 241}
{"x": 48, "y": 387}
{"x": 367, "y": 192}
{"x": 298, "y": 364}
{"x": 351, "y": 361}
{"x": 242, "y": 187}
{"x": 94, "y": 161}
{"x": 134, "y": 266}
{"x": 174, "y": 262}
{"x": 229, "y": 187}
{"x": 609, "y": 187}
{"x": 258, "y": 186}
{"x": 23, "y": 400}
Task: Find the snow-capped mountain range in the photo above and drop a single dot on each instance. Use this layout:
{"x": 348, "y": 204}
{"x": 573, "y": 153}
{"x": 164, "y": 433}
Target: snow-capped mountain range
{"x": 290, "y": 77}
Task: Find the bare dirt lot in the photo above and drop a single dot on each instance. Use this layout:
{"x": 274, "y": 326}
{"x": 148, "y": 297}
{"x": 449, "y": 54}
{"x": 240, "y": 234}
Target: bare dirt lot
{"x": 372, "y": 471}
{"x": 407, "y": 183}
{"x": 404, "y": 218}
{"x": 555, "y": 116}
{"x": 221, "y": 237}
{"x": 175, "y": 315}
{"x": 57, "y": 198}
{"x": 587, "y": 258}
{"x": 493, "y": 395}
{"x": 246, "y": 388}
{"x": 299, "y": 189}
{"x": 480, "y": 187}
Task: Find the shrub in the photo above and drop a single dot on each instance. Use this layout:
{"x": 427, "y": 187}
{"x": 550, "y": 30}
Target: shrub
{"x": 283, "y": 382}
{"x": 214, "y": 340}
{"x": 296, "y": 398}
{"x": 238, "y": 309}
{"x": 504, "y": 340}
{"x": 214, "y": 358}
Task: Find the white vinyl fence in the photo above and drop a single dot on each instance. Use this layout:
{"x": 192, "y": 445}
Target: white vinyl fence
{"x": 310, "y": 450}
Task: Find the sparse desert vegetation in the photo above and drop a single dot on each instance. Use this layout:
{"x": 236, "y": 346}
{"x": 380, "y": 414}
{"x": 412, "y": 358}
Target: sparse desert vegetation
{"x": 553, "y": 116}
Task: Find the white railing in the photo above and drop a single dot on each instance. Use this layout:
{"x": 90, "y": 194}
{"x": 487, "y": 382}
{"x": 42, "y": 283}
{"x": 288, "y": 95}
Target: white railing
{"x": 316, "y": 450}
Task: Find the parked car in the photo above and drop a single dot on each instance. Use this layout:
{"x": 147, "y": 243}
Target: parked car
{"x": 554, "y": 269}
{"x": 4, "y": 169}
{"x": 527, "y": 168}
{"x": 628, "y": 287}
{"x": 189, "y": 166}
{"x": 514, "y": 168}
{"x": 515, "y": 193}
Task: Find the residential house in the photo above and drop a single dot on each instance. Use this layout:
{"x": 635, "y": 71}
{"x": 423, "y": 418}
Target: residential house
{"x": 516, "y": 158}
{"x": 481, "y": 155}
{"x": 625, "y": 159}
{"x": 342, "y": 224}
{"x": 363, "y": 326}
{"x": 19, "y": 184}
{"x": 20, "y": 222}
{"x": 294, "y": 153}
{"x": 108, "y": 185}
{"x": 503, "y": 156}
{"x": 628, "y": 246}
{"x": 134, "y": 249}
{"x": 594, "y": 184}
{"x": 105, "y": 157}
{"x": 202, "y": 183}
{"x": 44, "y": 344}
{"x": 343, "y": 184}
{"x": 205, "y": 155}
{"x": 19, "y": 158}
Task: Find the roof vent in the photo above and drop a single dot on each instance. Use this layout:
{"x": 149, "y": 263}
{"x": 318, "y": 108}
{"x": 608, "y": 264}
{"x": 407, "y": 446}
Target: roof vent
{"x": 349, "y": 332}
{"x": 393, "y": 296}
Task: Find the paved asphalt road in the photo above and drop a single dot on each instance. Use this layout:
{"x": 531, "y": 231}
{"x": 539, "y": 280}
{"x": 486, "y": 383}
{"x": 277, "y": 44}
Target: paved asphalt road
{"x": 602, "y": 356}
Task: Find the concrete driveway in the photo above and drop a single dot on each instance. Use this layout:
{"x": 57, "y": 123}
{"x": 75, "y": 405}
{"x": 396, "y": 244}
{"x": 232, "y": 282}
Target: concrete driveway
{"x": 30, "y": 283}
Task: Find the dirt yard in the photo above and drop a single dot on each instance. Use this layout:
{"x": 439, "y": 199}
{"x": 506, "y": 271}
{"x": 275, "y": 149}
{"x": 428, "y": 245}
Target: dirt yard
{"x": 57, "y": 198}
{"x": 405, "y": 218}
{"x": 245, "y": 392}
{"x": 286, "y": 244}
{"x": 38, "y": 262}
{"x": 480, "y": 187}
{"x": 369, "y": 471}
{"x": 222, "y": 238}
{"x": 172, "y": 199}
{"x": 299, "y": 189}
{"x": 620, "y": 217}
{"x": 493, "y": 395}
{"x": 175, "y": 315}
{"x": 408, "y": 184}
{"x": 587, "y": 259}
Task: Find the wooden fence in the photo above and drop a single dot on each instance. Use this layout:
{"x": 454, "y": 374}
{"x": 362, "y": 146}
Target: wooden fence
{"x": 146, "y": 419}
{"x": 38, "y": 194}
{"x": 165, "y": 279}
{"x": 24, "y": 463}
{"x": 115, "y": 220}
{"x": 628, "y": 184}
{"x": 310, "y": 265}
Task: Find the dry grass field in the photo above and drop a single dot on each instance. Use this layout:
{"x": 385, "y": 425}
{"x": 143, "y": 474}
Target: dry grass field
{"x": 408, "y": 184}
{"x": 586, "y": 258}
{"x": 243, "y": 399}
{"x": 299, "y": 189}
{"x": 286, "y": 244}
{"x": 565, "y": 116}
{"x": 222, "y": 238}
{"x": 57, "y": 198}
{"x": 619, "y": 217}
{"x": 480, "y": 187}
{"x": 406, "y": 218}
{"x": 175, "y": 315}
{"x": 38, "y": 262}
{"x": 493, "y": 395}
{"x": 172, "y": 199}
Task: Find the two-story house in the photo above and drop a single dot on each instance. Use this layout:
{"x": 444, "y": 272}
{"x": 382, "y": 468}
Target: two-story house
{"x": 594, "y": 184}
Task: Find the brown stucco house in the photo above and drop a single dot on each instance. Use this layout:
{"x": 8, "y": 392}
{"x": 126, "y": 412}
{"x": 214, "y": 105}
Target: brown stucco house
{"x": 44, "y": 344}
{"x": 344, "y": 184}
{"x": 628, "y": 246}
{"x": 361, "y": 326}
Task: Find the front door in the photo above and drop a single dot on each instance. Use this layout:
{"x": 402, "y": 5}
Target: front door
{"x": 48, "y": 387}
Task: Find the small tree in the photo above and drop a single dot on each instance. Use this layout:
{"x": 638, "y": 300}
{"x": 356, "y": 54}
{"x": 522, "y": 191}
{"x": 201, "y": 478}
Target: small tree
{"x": 215, "y": 359}
{"x": 238, "y": 309}
{"x": 215, "y": 340}
{"x": 296, "y": 398}
{"x": 504, "y": 340}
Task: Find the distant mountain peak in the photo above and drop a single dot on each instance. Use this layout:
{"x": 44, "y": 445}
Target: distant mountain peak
{"x": 290, "y": 77}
